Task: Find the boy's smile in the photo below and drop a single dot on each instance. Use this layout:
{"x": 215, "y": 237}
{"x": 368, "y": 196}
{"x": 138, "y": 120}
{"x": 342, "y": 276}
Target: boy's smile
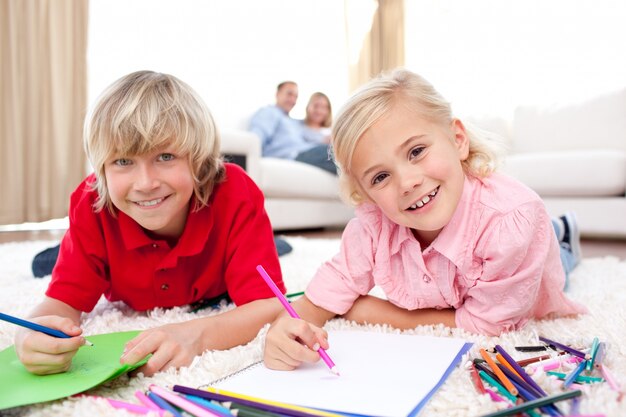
{"x": 411, "y": 168}
{"x": 154, "y": 190}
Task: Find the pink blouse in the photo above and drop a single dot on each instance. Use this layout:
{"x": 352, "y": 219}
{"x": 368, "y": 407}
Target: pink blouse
{"x": 496, "y": 263}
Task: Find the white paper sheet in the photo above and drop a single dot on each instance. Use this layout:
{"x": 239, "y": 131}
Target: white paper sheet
{"x": 382, "y": 374}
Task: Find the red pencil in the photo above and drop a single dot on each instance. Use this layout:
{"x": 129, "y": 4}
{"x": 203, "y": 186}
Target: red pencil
{"x": 478, "y": 383}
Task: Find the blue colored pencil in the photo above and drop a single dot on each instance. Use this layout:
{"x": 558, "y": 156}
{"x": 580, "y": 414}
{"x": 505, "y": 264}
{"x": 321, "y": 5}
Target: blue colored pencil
{"x": 37, "y": 327}
{"x": 163, "y": 404}
{"x": 574, "y": 374}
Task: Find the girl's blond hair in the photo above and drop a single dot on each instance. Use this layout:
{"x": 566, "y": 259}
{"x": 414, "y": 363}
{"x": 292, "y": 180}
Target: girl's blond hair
{"x": 376, "y": 99}
{"x": 146, "y": 111}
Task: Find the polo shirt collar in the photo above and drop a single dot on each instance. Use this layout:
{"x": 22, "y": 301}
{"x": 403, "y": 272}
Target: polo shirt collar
{"x": 197, "y": 227}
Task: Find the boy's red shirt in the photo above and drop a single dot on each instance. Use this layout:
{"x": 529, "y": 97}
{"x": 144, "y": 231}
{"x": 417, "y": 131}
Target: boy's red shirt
{"x": 217, "y": 253}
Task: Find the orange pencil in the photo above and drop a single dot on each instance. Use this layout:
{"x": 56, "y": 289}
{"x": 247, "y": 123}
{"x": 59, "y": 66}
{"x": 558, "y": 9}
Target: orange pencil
{"x": 496, "y": 370}
{"x": 506, "y": 363}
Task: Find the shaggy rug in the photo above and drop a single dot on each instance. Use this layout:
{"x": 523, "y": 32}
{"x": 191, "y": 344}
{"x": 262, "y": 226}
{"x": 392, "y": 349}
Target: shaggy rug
{"x": 599, "y": 283}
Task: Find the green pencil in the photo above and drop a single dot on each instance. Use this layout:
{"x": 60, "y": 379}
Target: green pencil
{"x": 539, "y": 402}
{"x": 241, "y": 410}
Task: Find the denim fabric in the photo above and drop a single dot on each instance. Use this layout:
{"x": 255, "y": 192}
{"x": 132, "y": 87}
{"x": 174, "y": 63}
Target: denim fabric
{"x": 319, "y": 156}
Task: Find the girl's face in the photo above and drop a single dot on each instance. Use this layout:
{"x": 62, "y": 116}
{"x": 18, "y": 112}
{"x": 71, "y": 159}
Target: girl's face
{"x": 318, "y": 111}
{"x": 153, "y": 189}
{"x": 411, "y": 168}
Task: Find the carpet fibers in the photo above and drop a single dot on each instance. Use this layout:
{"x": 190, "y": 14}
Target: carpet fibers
{"x": 599, "y": 283}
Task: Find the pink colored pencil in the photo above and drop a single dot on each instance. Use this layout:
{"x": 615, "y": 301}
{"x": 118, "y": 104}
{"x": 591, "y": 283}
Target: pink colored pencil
{"x": 329, "y": 362}
{"x": 494, "y": 397}
{"x": 147, "y": 401}
{"x": 182, "y": 402}
{"x": 133, "y": 408}
{"x": 608, "y": 377}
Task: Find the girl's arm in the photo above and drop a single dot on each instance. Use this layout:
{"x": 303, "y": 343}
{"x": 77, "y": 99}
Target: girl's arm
{"x": 290, "y": 342}
{"x": 373, "y": 310}
{"x": 42, "y": 354}
{"x": 176, "y": 345}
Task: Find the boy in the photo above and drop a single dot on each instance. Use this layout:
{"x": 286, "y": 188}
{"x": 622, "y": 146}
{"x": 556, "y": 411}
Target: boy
{"x": 162, "y": 222}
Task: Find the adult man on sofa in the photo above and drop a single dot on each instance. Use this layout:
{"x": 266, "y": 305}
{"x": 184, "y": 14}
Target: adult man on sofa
{"x": 283, "y": 137}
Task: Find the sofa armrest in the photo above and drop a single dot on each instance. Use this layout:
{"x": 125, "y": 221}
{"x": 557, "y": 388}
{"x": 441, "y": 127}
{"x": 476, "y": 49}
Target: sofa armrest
{"x": 243, "y": 148}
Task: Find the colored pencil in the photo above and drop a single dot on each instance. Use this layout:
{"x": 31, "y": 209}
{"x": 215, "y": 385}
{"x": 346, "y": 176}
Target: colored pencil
{"x": 329, "y": 362}
{"x": 531, "y": 348}
{"x": 163, "y": 404}
{"x": 566, "y": 348}
{"x": 273, "y": 406}
{"x": 478, "y": 383}
{"x": 212, "y": 405}
{"x": 600, "y": 352}
{"x": 38, "y": 327}
{"x": 519, "y": 370}
{"x": 183, "y": 403}
{"x": 146, "y": 401}
{"x": 539, "y": 402}
{"x": 241, "y": 410}
{"x": 505, "y": 363}
{"x": 594, "y": 352}
{"x": 569, "y": 380}
{"x": 494, "y": 367}
{"x": 579, "y": 379}
{"x": 494, "y": 383}
{"x": 608, "y": 376}
{"x": 133, "y": 408}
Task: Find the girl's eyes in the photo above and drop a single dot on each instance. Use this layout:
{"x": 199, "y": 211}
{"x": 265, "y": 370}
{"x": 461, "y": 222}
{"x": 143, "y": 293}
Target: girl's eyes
{"x": 415, "y": 152}
{"x": 378, "y": 178}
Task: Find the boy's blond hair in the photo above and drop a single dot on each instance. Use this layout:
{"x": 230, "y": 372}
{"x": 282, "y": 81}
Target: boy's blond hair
{"x": 376, "y": 99}
{"x": 146, "y": 111}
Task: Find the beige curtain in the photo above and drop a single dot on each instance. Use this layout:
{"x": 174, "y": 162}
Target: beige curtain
{"x": 43, "y": 97}
{"x": 375, "y": 37}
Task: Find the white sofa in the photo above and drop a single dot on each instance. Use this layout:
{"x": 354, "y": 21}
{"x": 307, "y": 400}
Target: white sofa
{"x": 573, "y": 156}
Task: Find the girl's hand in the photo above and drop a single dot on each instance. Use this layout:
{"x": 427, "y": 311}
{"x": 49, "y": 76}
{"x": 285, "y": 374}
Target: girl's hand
{"x": 290, "y": 342}
{"x": 42, "y": 354}
{"x": 171, "y": 345}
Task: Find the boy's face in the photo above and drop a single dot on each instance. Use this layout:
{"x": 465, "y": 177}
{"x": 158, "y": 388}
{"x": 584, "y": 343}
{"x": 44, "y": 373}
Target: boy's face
{"x": 411, "y": 168}
{"x": 153, "y": 189}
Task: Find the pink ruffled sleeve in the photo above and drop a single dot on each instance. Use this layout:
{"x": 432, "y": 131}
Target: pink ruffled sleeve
{"x": 520, "y": 262}
{"x": 348, "y": 275}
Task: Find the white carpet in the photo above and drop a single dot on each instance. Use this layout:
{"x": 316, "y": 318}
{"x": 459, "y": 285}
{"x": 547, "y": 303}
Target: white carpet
{"x": 599, "y": 283}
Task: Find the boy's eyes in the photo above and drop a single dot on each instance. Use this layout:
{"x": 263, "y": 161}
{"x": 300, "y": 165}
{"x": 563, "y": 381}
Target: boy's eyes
{"x": 166, "y": 157}
{"x": 122, "y": 162}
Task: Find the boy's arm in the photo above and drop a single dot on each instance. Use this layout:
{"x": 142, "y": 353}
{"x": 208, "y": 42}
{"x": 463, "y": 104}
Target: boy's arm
{"x": 177, "y": 344}
{"x": 43, "y": 354}
{"x": 373, "y": 310}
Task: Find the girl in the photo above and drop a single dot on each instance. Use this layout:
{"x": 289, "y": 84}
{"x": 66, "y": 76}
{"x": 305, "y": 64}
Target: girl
{"x": 446, "y": 238}
{"x": 161, "y": 222}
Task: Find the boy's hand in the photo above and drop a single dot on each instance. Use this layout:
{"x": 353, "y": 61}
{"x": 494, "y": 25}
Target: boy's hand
{"x": 172, "y": 345}
{"x": 290, "y": 342}
{"x": 42, "y": 354}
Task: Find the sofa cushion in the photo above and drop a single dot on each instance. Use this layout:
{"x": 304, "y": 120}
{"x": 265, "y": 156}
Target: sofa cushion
{"x": 589, "y": 173}
{"x": 284, "y": 178}
{"x": 594, "y": 124}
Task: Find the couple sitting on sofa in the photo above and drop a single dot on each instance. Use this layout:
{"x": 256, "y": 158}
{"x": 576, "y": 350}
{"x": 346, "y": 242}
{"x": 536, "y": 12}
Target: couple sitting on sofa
{"x": 302, "y": 140}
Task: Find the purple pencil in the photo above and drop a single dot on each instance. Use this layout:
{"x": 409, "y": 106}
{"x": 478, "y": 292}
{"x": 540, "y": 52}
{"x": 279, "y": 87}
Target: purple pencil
{"x": 520, "y": 370}
{"x": 566, "y": 348}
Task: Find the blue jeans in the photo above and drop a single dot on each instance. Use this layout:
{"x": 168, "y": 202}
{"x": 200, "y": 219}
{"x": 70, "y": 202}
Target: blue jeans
{"x": 319, "y": 156}
{"x": 567, "y": 257}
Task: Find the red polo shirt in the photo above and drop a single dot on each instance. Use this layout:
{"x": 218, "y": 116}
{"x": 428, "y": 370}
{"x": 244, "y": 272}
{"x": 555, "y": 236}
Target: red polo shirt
{"x": 217, "y": 253}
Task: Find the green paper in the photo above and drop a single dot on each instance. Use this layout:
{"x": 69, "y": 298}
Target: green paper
{"x": 91, "y": 366}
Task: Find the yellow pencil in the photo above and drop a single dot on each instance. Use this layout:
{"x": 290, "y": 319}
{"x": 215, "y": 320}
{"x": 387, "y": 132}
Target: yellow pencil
{"x": 496, "y": 370}
{"x": 307, "y": 410}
